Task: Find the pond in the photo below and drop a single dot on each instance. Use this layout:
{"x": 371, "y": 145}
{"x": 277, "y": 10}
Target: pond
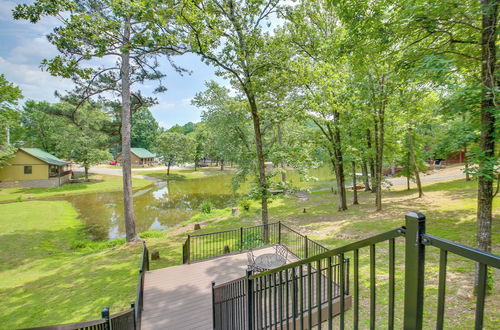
{"x": 165, "y": 204}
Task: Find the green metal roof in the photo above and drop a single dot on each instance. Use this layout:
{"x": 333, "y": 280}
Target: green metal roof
{"x": 142, "y": 153}
{"x": 44, "y": 156}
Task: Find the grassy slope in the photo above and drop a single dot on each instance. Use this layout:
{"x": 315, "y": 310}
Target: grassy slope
{"x": 186, "y": 173}
{"x": 98, "y": 183}
{"x": 49, "y": 274}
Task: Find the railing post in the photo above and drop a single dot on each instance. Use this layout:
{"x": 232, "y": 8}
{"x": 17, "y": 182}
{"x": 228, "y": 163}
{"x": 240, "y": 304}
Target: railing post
{"x": 414, "y": 271}
{"x": 241, "y": 238}
{"x": 105, "y": 316}
{"x": 306, "y": 247}
{"x": 279, "y": 232}
{"x": 132, "y": 306}
{"x": 250, "y": 305}
{"x": 188, "y": 249}
{"x": 213, "y": 304}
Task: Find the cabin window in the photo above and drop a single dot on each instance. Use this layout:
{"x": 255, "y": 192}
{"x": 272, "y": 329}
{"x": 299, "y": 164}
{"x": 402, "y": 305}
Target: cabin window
{"x": 28, "y": 169}
{"x": 53, "y": 171}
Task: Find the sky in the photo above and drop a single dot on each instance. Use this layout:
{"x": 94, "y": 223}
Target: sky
{"x": 24, "y": 45}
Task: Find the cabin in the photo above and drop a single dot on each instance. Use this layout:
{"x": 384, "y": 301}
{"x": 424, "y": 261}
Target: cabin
{"x": 140, "y": 157}
{"x": 34, "y": 168}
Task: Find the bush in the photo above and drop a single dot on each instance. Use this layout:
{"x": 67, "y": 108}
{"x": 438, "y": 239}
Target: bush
{"x": 152, "y": 234}
{"x": 245, "y": 205}
{"x": 95, "y": 246}
{"x": 206, "y": 207}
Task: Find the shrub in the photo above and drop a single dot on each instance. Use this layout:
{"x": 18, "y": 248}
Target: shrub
{"x": 151, "y": 234}
{"x": 206, "y": 207}
{"x": 245, "y": 204}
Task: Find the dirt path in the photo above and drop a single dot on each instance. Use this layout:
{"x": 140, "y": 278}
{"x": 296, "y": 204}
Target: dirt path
{"x": 446, "y": 174}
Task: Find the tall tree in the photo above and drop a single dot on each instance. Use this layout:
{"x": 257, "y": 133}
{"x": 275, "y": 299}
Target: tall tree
{"x": 145, "y": 129}
{"x": 122, "y": 33}
{"x": 9, "y": 98}
{"x": 173, "y": 148}
{"x": 463, "y": 35}
{"x": 231, "y": 36}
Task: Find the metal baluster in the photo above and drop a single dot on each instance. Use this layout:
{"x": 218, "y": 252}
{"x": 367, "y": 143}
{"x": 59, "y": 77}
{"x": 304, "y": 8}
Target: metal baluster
{"x": 356, "y": 290}
{"x": 318, "y": 291}
{"x": 372, "y": 287}
{"x": 481, "y": 293}
{"x": 391, "y": 283}
{"x": 329, "y": 293}
{"x": 309, "y": 297}
{"x": 443, "y": 259}
{"x": 342, "y": 291}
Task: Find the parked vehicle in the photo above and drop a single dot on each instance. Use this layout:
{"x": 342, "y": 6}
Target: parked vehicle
{"x": 114, "y": 162}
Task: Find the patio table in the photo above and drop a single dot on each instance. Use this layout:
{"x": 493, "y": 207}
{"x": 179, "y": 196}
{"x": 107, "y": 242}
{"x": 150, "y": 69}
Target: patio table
{"x": 269, "y": 261}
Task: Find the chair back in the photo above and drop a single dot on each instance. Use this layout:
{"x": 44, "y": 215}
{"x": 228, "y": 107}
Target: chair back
{"x": 250, "y": 258}
{"x": 281, "y": 251}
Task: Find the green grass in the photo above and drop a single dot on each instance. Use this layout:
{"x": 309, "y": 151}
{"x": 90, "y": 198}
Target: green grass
{"x": 98, "y": 183}
{"x": 46, "y": 260}
{"x": 186, "y": 173}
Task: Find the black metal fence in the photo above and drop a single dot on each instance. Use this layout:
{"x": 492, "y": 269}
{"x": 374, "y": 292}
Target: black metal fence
{"x": 209, "y": 245}
{"x": 129, "y": 319}
{"x": 298, "y": 296}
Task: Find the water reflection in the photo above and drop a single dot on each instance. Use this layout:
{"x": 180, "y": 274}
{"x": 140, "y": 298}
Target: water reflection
{"x": 164, "y": 204}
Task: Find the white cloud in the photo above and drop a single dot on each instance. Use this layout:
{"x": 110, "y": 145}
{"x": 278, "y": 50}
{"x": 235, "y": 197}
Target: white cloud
{"x": 187, "y": 101}
{"x": 164, "y": 124}
{"x": 34, "y": 83}
{"x": 23, "y": 53}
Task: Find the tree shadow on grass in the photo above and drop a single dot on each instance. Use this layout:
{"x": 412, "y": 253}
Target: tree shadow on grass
{"x": 77, "y": 291}
{"x": 65, "y": 187}
{"x": 23, "y": 246}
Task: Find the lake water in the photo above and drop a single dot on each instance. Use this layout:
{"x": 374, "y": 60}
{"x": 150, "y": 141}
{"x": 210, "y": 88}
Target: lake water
{"x": 166, "y": 204}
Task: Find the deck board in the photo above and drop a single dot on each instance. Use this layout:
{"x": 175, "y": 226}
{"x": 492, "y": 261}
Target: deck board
{"x": 180, "y": 297}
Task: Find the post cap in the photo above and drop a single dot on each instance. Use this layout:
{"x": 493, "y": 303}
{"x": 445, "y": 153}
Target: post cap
{"x": 415, "y": 215}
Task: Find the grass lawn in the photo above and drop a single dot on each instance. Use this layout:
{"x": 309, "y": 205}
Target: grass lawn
{"x": 187, "y": 173}
{"x": 98, "y": 183}
{"x": 39, "y": 268}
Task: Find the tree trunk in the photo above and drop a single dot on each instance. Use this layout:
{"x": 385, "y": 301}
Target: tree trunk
{"x": 340, "y": 164}
{"x": 414, "y": 162}
{"x": 372, "y": 164}
{"x": 128, "y": 204}
{"x": 168, "y": 168}
{"x": 260, "y": 162}
{"x": 355, "y": 192}
{"x": 467, "y": 175}
{"x": 222, "y": 164}
{"x": 282, "y": 164}
{"x": 408, "y": 172}
{"x": 487, "y": 141}
{"x": 366, "y": 179}
{"x": 378, "y": 130}
{"x": 86, "y": 168}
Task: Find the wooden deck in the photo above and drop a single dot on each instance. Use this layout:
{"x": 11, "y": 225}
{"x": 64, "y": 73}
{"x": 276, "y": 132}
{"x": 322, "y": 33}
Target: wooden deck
{"x": 180, "y": 297}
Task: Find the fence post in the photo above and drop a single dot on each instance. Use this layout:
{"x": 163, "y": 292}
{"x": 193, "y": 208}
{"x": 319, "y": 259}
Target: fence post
{"x": 241, "y": 238}
{"x": 279, "y": 232}
{"x": 306, "y": 247}
{"x": 147, "y": 255}
{"x": 105, "y": 316}
{"x": 250, "y": 305}
{"x": 188, "y": 259}
{"x": 414, "y": 270}
{"x": 132, "y": 306}
{"x": 213, "y": 305}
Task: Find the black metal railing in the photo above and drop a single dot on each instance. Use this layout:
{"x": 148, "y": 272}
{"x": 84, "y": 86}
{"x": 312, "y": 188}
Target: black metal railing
{"x": 129, "y": 319}
{"x": 298, "y": 296}
{"x": 139, "y": 301}
{"x": 210, "y": 245}
{"x": 276, "y": 299}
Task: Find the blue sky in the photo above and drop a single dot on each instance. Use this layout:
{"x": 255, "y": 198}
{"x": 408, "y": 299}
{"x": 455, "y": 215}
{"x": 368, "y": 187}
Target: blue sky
{"x": 23, "y": 46}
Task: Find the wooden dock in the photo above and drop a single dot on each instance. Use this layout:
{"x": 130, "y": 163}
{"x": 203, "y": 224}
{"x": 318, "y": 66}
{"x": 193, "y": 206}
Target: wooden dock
{"x": 180, "y": 297}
